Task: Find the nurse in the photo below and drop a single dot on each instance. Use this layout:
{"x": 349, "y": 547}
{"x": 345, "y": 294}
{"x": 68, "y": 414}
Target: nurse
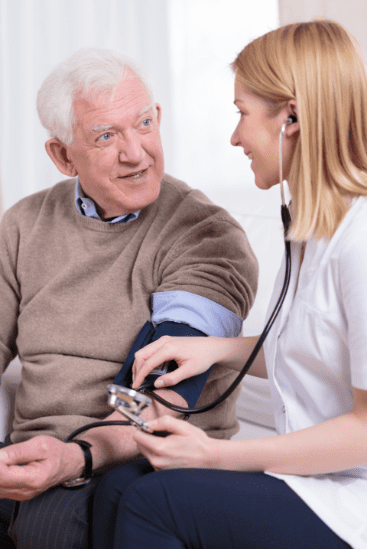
{"x": 306, "y": 487}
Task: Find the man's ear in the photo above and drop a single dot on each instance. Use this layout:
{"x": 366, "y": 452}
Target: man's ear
{"x": 58, "y": 152}
{"x": 158, "y": 109}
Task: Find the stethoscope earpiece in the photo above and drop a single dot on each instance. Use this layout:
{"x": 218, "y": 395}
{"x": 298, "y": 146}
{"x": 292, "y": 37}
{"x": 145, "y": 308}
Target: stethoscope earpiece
{"x": 291, "y": 119}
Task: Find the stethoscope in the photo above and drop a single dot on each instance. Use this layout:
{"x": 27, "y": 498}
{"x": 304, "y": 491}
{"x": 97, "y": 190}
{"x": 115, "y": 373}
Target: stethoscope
{"x": 130, "y": 402}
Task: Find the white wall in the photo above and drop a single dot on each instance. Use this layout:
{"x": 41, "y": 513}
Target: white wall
{"x": 352, "y": 14}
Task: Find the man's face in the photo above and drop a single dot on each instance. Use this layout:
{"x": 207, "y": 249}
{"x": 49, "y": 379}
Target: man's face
{"x": 117, "y": 150}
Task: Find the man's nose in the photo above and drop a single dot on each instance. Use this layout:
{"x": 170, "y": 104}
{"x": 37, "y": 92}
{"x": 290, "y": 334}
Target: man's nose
{"x": 130, "y": 149}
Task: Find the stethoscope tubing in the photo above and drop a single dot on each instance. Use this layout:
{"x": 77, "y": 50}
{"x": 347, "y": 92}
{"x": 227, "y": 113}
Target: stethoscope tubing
{"x": 286, "y": 219}
{"x": 249, "y": 362}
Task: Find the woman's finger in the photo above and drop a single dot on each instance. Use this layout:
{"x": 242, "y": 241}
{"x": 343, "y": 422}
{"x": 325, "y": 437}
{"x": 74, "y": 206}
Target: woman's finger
{"x": 167, "y": 380}
{"x": 146, "y": 352}
{"x": 189, "y": 353}
{"x": 146, "y": 367}
{"x": 168, "y": 423}
{"x": 152, "y": 358}
{"x": 163, "y": 423}
{"x": 150, "y": 445}
{"x": 184, "y": 448}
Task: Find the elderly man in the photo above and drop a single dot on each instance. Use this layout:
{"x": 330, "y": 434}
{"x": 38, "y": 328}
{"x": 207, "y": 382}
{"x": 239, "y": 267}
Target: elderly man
{"x": 83, "y": 266}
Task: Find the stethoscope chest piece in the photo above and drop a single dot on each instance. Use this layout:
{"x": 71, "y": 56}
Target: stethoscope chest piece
{"x": 129, "y": 403}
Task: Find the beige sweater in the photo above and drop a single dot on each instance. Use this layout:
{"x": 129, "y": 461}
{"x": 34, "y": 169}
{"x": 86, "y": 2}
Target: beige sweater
{"x": 76, "y": 291}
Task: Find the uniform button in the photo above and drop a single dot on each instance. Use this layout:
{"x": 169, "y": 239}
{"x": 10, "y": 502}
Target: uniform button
{"x": 84, "y": 206}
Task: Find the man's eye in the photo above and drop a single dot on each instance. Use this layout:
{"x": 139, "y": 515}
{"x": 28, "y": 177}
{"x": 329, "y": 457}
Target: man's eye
{"x": 146, "y": 122}
{"x": 104, "y": 137}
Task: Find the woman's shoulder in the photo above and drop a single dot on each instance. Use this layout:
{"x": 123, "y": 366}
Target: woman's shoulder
{"x": 352, "y": 242}
{"x": 353, "y": 227}
{"x": 355, "y": 221}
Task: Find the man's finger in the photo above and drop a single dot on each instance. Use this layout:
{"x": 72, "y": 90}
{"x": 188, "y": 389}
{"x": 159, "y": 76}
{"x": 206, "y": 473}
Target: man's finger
{"x": 15, "y": 477}
{"x": 23, "y": 452}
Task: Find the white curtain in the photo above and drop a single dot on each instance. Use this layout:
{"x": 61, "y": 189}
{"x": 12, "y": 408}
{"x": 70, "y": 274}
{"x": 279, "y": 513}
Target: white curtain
{"x": 186, "y": 47}
{"x": 34, "y": 36}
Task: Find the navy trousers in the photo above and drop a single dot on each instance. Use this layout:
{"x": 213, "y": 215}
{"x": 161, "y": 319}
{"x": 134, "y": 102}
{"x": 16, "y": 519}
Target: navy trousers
{"x": 206, "y": 509}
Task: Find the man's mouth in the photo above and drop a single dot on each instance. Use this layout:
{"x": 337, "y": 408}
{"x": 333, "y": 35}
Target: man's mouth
{"x": 134, "y": 175}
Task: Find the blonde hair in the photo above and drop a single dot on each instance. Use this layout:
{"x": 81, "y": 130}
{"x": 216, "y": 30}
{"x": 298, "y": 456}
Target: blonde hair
{"x": 318, "y": 65}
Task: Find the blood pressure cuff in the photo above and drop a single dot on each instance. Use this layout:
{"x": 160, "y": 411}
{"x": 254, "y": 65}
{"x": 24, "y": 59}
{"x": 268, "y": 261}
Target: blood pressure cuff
{"x": 190, "y": 389}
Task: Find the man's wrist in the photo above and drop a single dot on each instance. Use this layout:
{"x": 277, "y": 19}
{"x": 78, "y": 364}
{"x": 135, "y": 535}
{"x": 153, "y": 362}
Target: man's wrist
{"x": 88, "y": 466}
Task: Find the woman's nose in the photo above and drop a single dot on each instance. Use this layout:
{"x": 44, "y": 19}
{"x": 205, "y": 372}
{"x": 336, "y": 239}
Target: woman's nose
{"x": 235, "y": 141}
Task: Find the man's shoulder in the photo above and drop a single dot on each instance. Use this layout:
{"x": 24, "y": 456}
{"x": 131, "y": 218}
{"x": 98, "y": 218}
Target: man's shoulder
{"x": 171, "y": 185}
{"x": 30, "y": 206}
{"x": 176, "y": 195}
{"x": 178, "y": 190}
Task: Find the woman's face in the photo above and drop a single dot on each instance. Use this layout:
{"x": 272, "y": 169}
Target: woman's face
{"x": 257, "y": 133}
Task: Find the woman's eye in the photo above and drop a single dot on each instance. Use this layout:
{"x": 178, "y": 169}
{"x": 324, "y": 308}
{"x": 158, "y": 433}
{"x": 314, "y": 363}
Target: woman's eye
{"x": 104, "y": 137}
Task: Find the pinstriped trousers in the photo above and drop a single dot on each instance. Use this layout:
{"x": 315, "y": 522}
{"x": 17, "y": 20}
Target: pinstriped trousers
{"x": 56, "y": 519}
{"x": 6, "y": 512}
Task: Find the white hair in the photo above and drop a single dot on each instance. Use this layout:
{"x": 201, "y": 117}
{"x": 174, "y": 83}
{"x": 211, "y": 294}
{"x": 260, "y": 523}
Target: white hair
{"x": 89, "y": 70}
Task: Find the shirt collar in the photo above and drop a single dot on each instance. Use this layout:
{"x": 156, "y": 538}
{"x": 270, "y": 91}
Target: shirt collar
{"x": 87, "y": 207}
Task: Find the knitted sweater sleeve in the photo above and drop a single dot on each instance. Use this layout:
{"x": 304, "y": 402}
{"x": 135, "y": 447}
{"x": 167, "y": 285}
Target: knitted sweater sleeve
{"x": 9, "y": 295}
{"x": 212, "y": 259}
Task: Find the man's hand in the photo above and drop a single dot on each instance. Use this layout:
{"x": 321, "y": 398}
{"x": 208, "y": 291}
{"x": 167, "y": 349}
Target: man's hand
{"x": 31, "y": 467}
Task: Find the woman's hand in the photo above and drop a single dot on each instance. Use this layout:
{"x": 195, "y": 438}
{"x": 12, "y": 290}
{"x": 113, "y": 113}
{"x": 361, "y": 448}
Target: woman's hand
{"x": 194, "y": 355}
{"x": 187, "y": 446}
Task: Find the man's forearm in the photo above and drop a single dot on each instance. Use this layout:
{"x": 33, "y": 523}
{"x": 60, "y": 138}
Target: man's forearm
{"x": 114, "y": 444}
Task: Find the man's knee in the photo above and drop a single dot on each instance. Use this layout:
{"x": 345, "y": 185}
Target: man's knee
{"x": 56, "y": 519}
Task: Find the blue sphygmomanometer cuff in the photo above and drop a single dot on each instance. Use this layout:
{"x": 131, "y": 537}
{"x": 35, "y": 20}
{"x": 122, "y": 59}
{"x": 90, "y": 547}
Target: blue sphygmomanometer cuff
{"x": 197, "y": 311}
{"x": 190, "y": 389}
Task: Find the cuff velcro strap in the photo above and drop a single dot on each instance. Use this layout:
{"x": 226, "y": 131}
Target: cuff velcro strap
{"x": 80, "y": 481}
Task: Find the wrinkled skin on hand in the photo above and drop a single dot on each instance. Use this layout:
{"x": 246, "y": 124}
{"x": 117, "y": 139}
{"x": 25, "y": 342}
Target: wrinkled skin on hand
{"x": 31, "y": 467}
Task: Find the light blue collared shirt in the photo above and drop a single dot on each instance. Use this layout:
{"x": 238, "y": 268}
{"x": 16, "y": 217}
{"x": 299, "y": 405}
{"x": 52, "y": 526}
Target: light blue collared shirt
{"x": 87, "y": 207}
{"x": 197, "y": 311}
